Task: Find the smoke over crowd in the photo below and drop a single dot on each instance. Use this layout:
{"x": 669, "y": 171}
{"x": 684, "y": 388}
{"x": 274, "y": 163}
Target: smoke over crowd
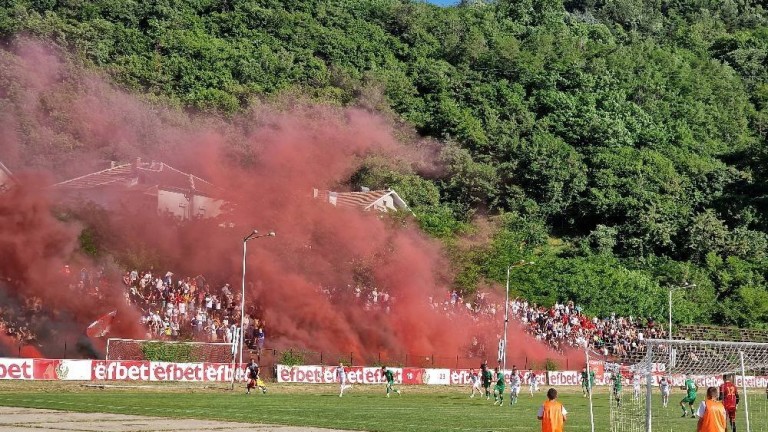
{"x": 59, "y": 121}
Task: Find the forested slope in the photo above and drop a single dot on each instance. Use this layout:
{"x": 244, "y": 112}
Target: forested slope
{"x": 621, "y": 144}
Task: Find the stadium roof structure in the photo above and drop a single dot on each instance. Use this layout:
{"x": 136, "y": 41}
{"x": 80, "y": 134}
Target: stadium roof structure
{"x": 6, "y": 178}
{"x": 379, "y": 200}
{"x": 149, "y": 177}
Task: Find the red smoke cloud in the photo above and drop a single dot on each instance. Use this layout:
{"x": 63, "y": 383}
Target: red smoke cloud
{"x": 34, "y": 247}
{"x": 266, "y": 163}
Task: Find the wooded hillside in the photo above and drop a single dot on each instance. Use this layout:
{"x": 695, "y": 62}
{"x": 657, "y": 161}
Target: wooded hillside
{"x": 621, "y": 142}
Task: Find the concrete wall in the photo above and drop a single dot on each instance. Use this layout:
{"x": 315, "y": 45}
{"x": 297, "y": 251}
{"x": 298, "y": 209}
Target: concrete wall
{"x": 174, "y": 203}
{"x": 206, "y": 207}
{"x": 196, "y": 206}
{"x": 384, "y": 204}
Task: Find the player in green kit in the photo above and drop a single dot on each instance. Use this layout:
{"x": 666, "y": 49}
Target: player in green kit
{"x": 690, "y": 395}
{"x": 498, "y": 389}
{"x": 587, "y": 381}
{"x": 390, "y": 377}
{"x": 486, "y": 376}
{"x": 616, "y": 378}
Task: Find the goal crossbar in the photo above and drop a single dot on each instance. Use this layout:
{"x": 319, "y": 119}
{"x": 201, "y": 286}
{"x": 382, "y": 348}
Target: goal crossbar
{"x": 700, "y": 358}
{"x": 704, "y": 357}
{"x": 131, "y": 349}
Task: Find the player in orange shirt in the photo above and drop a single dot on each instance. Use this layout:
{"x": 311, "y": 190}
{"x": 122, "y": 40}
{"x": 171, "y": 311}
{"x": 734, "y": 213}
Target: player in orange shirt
{"x": 552, "y": 413}
{"x": 729, "y": 395}
{"x": 711, "y": 413}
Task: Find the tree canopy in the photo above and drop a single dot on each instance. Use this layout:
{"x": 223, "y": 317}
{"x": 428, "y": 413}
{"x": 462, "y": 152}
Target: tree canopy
{"x": 620, "y": 142}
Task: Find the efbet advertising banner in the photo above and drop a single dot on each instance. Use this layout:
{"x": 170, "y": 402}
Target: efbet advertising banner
{"x": 146, "y": 371}
{"x": 17, "y": 369}
{"x": 120, "y": 370}
{"x": 313, "y": 374}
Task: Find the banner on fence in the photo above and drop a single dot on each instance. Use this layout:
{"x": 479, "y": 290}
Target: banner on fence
{"x": 313, "y": 374}
{"x": 148, "y": 371}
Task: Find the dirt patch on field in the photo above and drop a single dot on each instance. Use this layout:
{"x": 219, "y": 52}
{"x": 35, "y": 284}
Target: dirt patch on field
{"x": 28, "y": 419}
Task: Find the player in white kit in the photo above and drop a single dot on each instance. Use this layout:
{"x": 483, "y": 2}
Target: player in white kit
{"x": 474, "y": 378}
{"x": 636, "y": 386}
{"x": 665, "y": 388}
{"x": 533, "y": 382}
{"x": 515, "y": 381}
{"x": 341, "y": 375}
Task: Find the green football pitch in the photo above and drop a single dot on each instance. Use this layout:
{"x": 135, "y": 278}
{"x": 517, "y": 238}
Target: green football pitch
{"x": 363, "y": 408}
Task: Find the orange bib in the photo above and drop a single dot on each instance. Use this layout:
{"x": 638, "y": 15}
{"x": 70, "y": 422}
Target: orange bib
{"x": 552, "y": 421}
{"x": 714, "y": 417}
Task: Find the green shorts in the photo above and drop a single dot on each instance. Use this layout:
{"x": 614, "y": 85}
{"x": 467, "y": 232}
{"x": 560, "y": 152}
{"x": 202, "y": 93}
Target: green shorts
{"x": 498, "y": 388}
{"x": 690, "y": 399}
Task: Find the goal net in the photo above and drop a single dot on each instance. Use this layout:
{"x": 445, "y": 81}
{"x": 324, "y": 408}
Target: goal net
{"x": 167, "y": 351}
{"x": 636, "y": 405}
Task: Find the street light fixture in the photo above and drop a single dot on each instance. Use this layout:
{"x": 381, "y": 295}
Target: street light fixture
{"x": 253, "y": 235}
{"x": 671, "y": 289}
{"x": 506, "y": 312}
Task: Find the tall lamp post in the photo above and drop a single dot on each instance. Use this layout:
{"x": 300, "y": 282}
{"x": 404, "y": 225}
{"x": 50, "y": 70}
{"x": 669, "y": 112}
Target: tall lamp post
{"x": 253, "y": 235}
{"x": 506, "y": 313}
{"x": 672, "y": 289}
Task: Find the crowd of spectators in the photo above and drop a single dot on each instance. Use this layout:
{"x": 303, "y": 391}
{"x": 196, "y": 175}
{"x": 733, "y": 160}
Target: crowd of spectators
{"x": 561, "y": 326}
{"x": 25, "y": 320}
{"x": 369, "y": 298}
{"x": 172, "y": 308}
{"x": 18, "y": 323}
{"x": 564, "y": 325}
{"x": 190, "y": 308}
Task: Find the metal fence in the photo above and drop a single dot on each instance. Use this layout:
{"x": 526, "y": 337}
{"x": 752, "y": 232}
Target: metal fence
{"x": 268, "y": 358}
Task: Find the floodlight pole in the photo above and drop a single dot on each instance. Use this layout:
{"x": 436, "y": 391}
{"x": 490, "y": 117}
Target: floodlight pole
{"x": 672, "y": 289}
{"x": 251, "y": 236}
{"x": 506, "y": 314}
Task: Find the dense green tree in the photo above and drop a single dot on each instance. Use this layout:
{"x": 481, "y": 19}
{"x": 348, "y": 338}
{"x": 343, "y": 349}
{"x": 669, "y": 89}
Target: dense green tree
{"x": 631, "y": 132}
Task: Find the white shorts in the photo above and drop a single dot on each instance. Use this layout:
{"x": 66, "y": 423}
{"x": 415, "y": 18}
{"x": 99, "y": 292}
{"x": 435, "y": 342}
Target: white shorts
{"x": 665, "y": 392}
{"x": 515, "y": 390}
{"x": 477, "y": 384}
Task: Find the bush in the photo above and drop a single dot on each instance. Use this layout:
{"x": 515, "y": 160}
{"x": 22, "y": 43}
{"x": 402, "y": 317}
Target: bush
{"x": 292, "y": 358}
{"x": 168, "y": 352}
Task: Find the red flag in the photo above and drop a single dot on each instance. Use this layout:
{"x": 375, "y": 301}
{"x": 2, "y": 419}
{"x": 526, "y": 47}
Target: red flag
{"x": 101, "y": 326}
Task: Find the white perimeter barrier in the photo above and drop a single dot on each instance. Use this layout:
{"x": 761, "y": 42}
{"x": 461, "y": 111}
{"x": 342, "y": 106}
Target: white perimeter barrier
{"x": 130, "y": 370}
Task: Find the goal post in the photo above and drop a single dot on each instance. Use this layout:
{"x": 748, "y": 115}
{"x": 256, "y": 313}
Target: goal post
{"x": 703, "y": 361}
{"x": 169, "y": 351}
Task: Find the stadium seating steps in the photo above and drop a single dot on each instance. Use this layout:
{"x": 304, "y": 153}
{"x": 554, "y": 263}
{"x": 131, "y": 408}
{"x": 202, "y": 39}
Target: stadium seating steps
{"x": 713, "y": 333}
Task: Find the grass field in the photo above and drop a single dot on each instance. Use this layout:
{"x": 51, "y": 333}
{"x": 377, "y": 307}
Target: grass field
{"x": 364, "y": 408}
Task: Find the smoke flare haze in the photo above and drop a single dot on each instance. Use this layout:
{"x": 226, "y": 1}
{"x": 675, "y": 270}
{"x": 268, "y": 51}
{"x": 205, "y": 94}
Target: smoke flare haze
{"x": 60, "y": 121}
